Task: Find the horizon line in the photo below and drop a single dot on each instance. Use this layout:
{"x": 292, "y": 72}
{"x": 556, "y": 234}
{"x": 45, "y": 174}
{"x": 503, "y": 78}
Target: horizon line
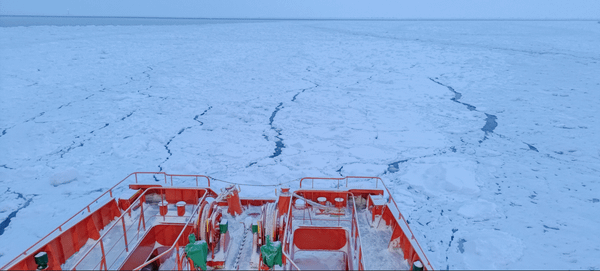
{"x": 307, "y": 18}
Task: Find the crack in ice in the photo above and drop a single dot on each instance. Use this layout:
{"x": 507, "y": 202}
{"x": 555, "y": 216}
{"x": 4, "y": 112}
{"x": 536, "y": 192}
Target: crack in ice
{"x": 279, "y": 143}
{"x": 179, "y": 133}
{"x": 4, "y": 224}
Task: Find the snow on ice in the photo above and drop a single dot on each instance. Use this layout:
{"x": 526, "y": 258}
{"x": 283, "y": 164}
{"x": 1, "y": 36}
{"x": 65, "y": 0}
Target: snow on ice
{"x": 486, "y": 131}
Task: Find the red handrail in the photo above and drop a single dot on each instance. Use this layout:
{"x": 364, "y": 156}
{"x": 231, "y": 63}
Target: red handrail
{"x": 89, "y": 210}
{"x": 401, "y": 217}
{"x": 100, "y": 240}
{"x": 354, "y": 232}
{"x": 175, "y": 244}
{"x": 59, "y": 228}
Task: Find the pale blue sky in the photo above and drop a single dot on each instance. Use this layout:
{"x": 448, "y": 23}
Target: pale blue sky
{"x": 398, "y": 9}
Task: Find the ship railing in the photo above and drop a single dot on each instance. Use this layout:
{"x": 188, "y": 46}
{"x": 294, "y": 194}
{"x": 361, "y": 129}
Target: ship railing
{"x": 355, "y": 240}
{"x": 286, "y": 239}
{"x": 168, "y": 252}
{"x": 97, "y": 203}
{"x": 99, "y": 246}
{"x": 392, "y": 205}
{"x": 88, "y": 209}
{"x": 287, "y": 256}
{"x": 168, "y": 178}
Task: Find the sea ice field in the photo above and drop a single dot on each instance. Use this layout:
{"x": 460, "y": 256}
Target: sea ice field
{"x": 486, "y": 132}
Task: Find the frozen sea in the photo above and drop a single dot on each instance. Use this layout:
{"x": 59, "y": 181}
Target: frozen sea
{"x": 485, "y": 131}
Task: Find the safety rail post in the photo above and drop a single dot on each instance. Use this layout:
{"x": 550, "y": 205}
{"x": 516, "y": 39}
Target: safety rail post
{"x": 163, "y": 200}
{"x": 136, "y": 180}
{"x": 171, "y": 180}
{"x": 125, "y": 234}
{"x": 178, "y": 260}
{"x": 142, "y": 217}
{"x": 103, "y": 260}
{"x": 289, "y": 229}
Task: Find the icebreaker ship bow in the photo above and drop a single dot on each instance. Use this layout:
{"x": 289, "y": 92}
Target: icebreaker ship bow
{"x": 188, "y": 222}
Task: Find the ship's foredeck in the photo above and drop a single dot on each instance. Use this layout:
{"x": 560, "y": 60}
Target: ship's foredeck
{"x": 159, "y": 228}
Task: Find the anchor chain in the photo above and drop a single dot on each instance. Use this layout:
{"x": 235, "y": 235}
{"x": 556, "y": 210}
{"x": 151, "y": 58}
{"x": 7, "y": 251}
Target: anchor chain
{"x": 241, "y": 249}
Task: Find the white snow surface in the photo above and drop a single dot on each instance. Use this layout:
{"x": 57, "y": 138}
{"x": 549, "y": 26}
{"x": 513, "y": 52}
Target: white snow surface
{"x": 83, "y": 106}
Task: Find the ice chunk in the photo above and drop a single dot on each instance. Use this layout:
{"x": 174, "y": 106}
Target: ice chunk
{"x": 64, "y": 177}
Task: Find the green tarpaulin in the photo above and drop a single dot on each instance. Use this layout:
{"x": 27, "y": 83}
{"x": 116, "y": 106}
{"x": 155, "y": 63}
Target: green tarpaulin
{"x": 271, "y": 253}
{"x": 197, "y": 251}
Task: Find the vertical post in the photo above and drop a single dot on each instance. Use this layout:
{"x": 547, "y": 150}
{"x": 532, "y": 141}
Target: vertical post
{"x": 352, "y": 227}
{"x": 360, "y": 266}
{"x": 163, "y": 197}
{"x": 196, "y": 181}
{"x": 165, "y": 174}
{"x": 178, "y": 259}
{"x": 103, "y": 261}
{"x": 142, "y": 217}
{"x": 125, "y": 234}
{"x": 110, "y": 190}
{"x": 171, "y": 180}
{"x": 136, "y": 181}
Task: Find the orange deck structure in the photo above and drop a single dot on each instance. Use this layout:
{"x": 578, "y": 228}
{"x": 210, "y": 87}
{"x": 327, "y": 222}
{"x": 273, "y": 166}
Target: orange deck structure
{"x": 349, "y": 223}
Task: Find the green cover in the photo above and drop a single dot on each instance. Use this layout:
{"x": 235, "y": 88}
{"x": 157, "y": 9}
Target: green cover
{"x": 271, "y": 253}
{"x": 197, "y": 251}
{"x": 41, "y": 259}
{"x": 223, "y": 226}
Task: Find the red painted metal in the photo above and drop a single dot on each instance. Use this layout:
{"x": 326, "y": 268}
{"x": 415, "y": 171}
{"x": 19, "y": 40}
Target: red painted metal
{"x": 160, "y": 190}
{"x": 166, "y": 234}
{"x": 64, "y": 243}
{"x": 233, "y": 202}
{"x": 390, "y": 218}
{"x": 163, "y": 208}
{"x": 255, "y": 202}
{"x": 284, "y": 201}
{"x": 34, "y": 248}
{"x": 180, "y": 209}
{"x": 72, "y": 239}
{"x": 315, "y": 238}
{"x": 125, "y": 234}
